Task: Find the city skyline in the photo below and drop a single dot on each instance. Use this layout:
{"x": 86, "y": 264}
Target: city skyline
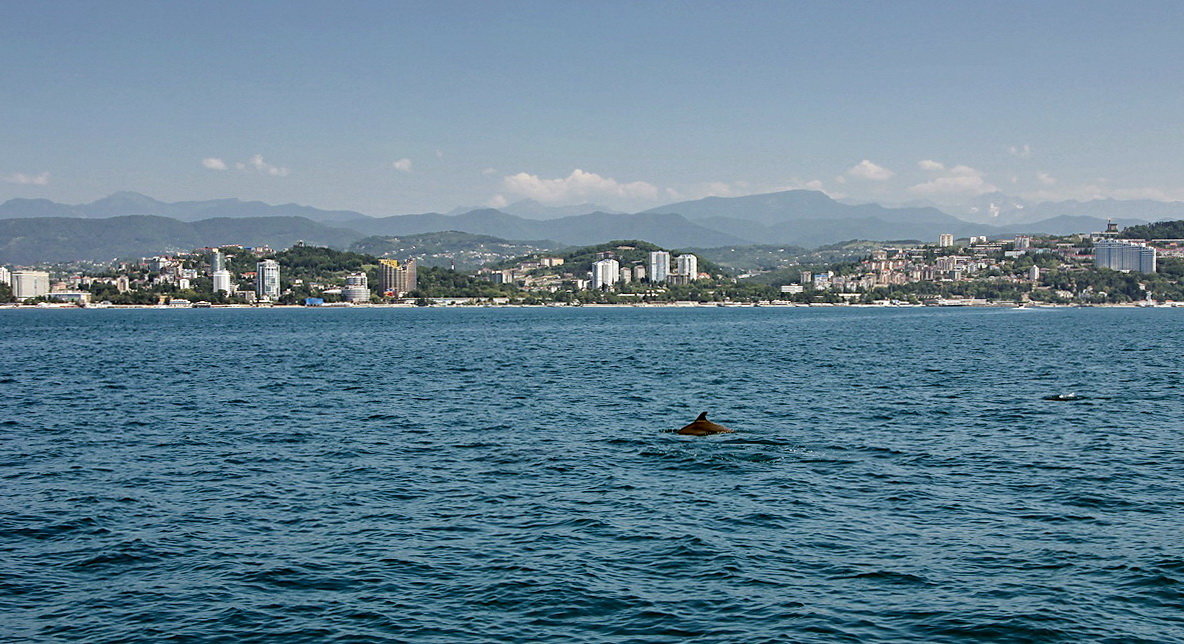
{"x": 465, "y": 104}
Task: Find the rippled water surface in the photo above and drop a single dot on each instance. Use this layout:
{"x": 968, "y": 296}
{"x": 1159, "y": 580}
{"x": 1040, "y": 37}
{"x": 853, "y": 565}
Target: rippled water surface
{"x": 501, "y": 475}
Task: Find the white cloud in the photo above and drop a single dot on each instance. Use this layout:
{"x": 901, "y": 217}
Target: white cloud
{"x": 489, "y": 171}
{"x": 28, "y": 179}
{"x": 254, "y": 164}
{"x": 931, "y": 166}
{"x": 497, "y": 201}
{"x": 867, "y": 170}
{"x": 1045, "y": 178}
{"x": 577, "y": 187}
{"x": 957, "y": 181}
{"x": 264, "y": 167}
{"x": 402, "y": 165}
{"x": 1022, "y": 151}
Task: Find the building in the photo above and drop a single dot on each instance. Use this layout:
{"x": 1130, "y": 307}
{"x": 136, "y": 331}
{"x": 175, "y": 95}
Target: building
{"x": 688, "y": 266}
{"x": 659, "y": 266}
{"x": 222, "y": 281}
{"x": 267, "y": 280}
{"x": 73, "y": 297}
{"x": 5, "y": 275}
{"x": 356, "y": 289}
{"x": 945, "y": 240}
{"x": 1124, "y": 255}
{"x": 605, "y": 272}
{"x": 626, "y": 274}
{"x": 1034, "y": 273}
{"x": 29, "y": 284}
{"x": 396, "y": 278}
{"x": 639, "y": 273}
{"x": 1111, "y": 231}
{"x": 217, "y": 262}
{"x": 1023, "y": 242}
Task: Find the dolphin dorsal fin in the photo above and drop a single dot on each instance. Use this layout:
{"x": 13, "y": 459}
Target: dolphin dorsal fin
{"x": 702, "y": 416}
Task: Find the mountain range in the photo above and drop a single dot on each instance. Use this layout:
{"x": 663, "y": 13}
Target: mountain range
{"x": 128, "y": 224}
{"x": 122, "y": 204}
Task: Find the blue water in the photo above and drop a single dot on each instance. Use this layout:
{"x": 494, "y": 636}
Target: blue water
{"x": 502, "y": 475}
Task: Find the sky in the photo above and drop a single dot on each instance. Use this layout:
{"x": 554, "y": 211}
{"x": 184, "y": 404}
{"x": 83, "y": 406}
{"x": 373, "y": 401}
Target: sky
{"x": 391, "y": 108}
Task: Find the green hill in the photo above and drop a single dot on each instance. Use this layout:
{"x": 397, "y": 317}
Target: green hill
{"x": 463, "y": 250}
{"x": 1158, "y": 230}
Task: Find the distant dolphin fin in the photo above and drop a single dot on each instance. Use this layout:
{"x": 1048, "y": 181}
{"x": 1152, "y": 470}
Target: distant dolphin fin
{"x": 702, "y": 416}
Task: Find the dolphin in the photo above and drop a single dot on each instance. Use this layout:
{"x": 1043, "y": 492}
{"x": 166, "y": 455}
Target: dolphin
{"x": 703, "y": 427}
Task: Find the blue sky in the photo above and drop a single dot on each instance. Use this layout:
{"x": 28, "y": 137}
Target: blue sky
{"x": 400, "y": 107}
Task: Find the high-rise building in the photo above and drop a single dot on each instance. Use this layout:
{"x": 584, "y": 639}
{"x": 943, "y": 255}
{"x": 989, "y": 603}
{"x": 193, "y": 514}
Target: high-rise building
{"x": 1034, "y": 273}
{"x": 395, "y": 277}
{"x": 5, "y": 275}
{"x": 29, "y": 284}
{"x": 356, "y": 289}
{"x": 222, "y": 282}
{"x": 605, "y": 272}
{"x": 1022, "y": 242}
{"x": 639, "y": 272}
{"x": 1124, "y": 255}
{"x": 687, "y": 266}
{"x": 217, "y": 262}
{"x": 945, "y": 240}
{"x": 267, "y": 280}
{"x": 659, "y": 265}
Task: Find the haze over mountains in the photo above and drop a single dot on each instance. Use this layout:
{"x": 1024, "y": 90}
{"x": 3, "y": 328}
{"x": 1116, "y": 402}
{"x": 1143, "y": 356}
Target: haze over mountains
{"x": 131, "y": 224}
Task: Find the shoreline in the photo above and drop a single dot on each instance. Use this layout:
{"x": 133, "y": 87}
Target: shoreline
{"x": 667, "y": 305}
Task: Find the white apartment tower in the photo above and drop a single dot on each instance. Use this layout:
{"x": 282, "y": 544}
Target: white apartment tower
{"x": 945, "y": 240}
{"x": 688, "y": 265}
{"x": 267, "y": 280}
{"x": 605, "y": 272}
{"x": 222, "y": 282}
{"x": 356, "y": 288}
{"x": 5, "y": 275}
{"x": 29, "y": 284}
{"x": 1120, "y": 255}
{"x": 659, "y": 265}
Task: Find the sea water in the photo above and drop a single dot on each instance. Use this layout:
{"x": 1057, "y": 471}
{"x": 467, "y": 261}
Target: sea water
{"x": 443, "y": 475}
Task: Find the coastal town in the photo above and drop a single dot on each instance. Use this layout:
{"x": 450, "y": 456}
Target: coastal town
{"x": 1141, "y": 265}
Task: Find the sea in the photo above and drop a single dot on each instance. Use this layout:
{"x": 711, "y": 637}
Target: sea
{"x": 509, "y": 475}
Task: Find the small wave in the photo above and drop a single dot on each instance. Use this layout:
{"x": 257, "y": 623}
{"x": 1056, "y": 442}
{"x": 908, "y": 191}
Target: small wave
{"x": 889, "y": 577}
{"x": 55, "y": 530}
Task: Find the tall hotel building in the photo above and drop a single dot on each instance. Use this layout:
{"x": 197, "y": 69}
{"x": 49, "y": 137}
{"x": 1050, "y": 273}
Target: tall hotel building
{"x": 688, "y": 266}
{"x": 605, "y": 272}
{"x": 356, "y": 289}
{"x": 395, "y": 277}
{"x": 1123, "y": 255}
{"x": 267, "y": 280}
{"x": 659, "y": 265}
{"x": 28, "y": 284}
{"x": 222, "y": 282}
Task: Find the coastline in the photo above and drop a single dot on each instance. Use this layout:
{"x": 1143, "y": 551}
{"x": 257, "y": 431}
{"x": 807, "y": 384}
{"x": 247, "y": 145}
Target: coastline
{"x": 663, "y": 305}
